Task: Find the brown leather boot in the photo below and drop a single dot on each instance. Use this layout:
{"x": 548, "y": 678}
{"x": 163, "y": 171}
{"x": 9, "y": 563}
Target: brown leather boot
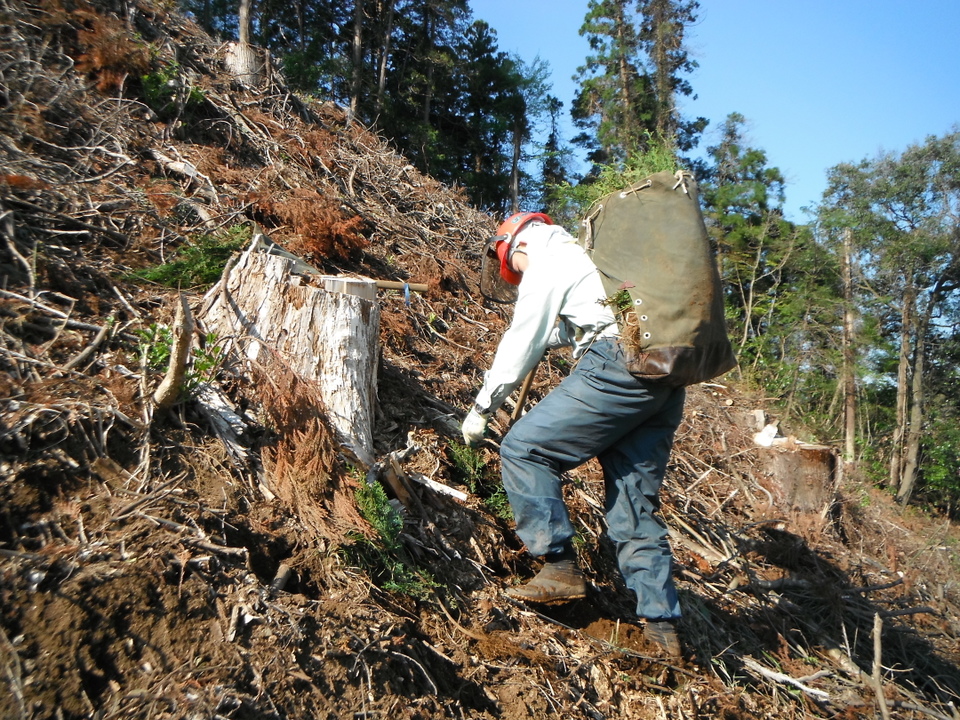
{"x": 663, "y": 635}
{"x": 555, "y": 582}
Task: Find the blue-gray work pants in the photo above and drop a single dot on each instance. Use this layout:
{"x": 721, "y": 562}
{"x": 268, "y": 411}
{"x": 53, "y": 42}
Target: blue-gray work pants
{"x": 600, "y": 410}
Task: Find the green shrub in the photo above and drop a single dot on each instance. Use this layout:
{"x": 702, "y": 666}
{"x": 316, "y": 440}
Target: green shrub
{"x": 386, "y": 561}
{"x": 499, "y": 504}
{"x": 571, "y": 202}
{"x": 376, "y": 509}
{"x": 154, "y": 346}
{"x": 468, "y": 465}
{"x": 199, "y": 263}
{"x": 154, "y": 349}
{"x": 470, "y": 469}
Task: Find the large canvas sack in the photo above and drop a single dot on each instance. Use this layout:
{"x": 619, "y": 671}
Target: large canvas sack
{"x": 651, "y": 247}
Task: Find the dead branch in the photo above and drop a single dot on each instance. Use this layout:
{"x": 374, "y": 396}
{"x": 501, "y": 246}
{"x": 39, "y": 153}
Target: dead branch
{"x": 907, "y": 611}
{"x": 226, "y": 423}
{"x": 82, "y": 357}
{"x": 876, "y": 678}
{"x": 187, "y": 169}
{"x": 159, "y": 494}
{"x": 119, "y": 237}
{"x": 172, "y": 383}
{"x": 53, "y": 312}
{"x": 756, "y": 667}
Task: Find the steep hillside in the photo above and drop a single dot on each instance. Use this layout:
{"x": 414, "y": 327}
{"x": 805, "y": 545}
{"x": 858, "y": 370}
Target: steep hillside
{"x": 148, "y": 569}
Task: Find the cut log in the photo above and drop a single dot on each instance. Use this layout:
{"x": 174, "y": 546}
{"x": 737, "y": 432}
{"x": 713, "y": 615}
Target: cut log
{"x": 327, "y": 337}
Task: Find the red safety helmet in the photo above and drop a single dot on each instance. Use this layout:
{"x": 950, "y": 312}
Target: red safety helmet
{"x": 506, "y": 233}
{"x": 511, "y": 226}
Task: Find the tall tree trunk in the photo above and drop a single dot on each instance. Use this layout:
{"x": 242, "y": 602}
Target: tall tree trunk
{"x": 627, "y": 131}
{"x": 515, "y": 165}
{"x": 384, "y": 57}
{"x": 243, "y": 18}
{"x": 746, "y": 295}
{"x": 428, "y": 90}
{"x": 849, "y": 367}
{"x": 241, "y": 58}
{"x": 301, "y": 31}
{"x": 915, "y": 426}
{"x": 903, "y": 369}
{"x": 357, "y": 59}
{"x": 662, "y": 36}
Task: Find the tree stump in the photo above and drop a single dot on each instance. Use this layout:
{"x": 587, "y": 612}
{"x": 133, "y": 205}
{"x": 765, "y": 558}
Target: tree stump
{"x": 804, "y": 474}
{"x": 326, "y": 336}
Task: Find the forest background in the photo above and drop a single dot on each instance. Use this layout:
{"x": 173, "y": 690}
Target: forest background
{"x": 849, "y": 321}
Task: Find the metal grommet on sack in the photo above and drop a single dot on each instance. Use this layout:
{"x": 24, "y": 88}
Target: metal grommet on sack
{"x": 644, "y": 318}
{"x": 638, "y": 301}
{"x": 646, "y": 336}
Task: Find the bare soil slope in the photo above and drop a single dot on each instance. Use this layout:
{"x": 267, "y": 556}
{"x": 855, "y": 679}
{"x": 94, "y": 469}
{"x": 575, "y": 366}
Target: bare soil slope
{"x": 148, "y": 570}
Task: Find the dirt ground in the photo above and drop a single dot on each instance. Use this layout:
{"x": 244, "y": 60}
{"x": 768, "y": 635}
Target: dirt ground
{"x": 150, "y": 569}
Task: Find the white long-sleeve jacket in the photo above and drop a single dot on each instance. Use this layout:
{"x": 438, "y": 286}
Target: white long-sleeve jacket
{"x": 561, "y": 283}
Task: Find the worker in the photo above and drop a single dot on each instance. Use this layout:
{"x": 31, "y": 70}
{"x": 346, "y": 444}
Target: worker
{"x": 600, "y": 410}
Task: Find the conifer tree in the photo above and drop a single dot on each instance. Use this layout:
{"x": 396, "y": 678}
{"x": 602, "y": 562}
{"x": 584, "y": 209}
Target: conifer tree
{"x": 554, "y": 173}
{"x": 903, "y": 210}
{"x": 614, "y": 106}
{"x": 760, "y": 253}
{"x": 662, "y": 31}
{"x": 631, "y": 79}
{"x": 488, "y": 103}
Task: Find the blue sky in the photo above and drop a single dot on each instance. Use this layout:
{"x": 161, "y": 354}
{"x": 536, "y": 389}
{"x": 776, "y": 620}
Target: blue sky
{"x": 820, "y": 82}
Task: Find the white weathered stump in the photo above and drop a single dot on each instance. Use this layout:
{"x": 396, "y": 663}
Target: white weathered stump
{"x": 328, "y": 337}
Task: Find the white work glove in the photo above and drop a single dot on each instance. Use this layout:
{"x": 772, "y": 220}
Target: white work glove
{"x": 473, "y": 428}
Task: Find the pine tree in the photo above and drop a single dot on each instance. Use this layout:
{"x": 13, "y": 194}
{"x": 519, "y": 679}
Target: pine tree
{"x": 631, "y": 80}
{"x": 615, "y": 106}
{"x": 421, "y": 84}
{"x": 761, "y": 256}
{"x": 489, "y": 103}
{"x": 662, "y": 37}
{"x": 554, "y": 173}
{"x": 903, "y": 211}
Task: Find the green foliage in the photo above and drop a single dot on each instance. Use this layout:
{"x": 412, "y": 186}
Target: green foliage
{"x": 782, "y": 291}
{"x": 899, "y": 213}
{"x": 630, "y": 82}
{"x": 571, "y": 202}
{"x": 199, "y": 263}
{"x": 471, "y": 469}
{"x": 205, "y": 363}
{"x": 468, "y": 464}
{"x": 392, "y": 571}
{"x": 386, "y": 561}
{"x": 154, "y": 350}
{"x": 661, "y": 35}
{"x": 619, "y": 302}
{"x": 165, "y": 93}
{"x": 499, "y": 504}
{"x": 941, "y": 463}
{"x": 154, "y": 346}
{"x": 615, "y": 102}
{"x": 376, "y": 509}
